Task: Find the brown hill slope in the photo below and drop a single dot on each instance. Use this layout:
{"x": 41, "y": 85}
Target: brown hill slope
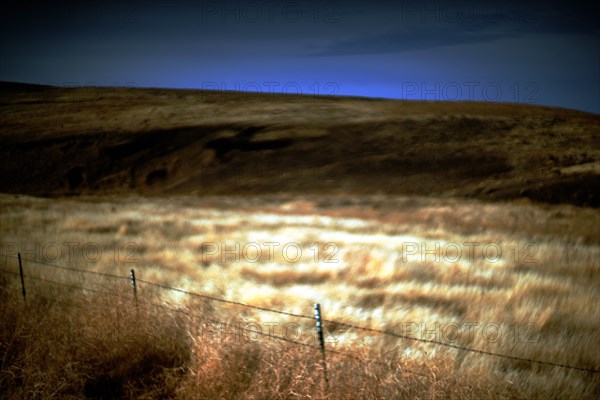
{"x": 68, "y": 141}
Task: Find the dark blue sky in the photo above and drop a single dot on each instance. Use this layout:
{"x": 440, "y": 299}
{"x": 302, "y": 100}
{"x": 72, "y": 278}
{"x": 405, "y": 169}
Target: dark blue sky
{"x": 541, "y": 52}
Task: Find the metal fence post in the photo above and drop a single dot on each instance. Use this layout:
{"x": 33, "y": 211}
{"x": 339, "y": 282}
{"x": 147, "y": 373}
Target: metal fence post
{"x": 321, "y": 341}
{"x": 22, "y": 278}
{"x": 134, "y": 286}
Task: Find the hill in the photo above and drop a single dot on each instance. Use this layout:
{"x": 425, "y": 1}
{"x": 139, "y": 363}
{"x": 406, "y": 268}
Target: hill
{"x": 93, "y": 140}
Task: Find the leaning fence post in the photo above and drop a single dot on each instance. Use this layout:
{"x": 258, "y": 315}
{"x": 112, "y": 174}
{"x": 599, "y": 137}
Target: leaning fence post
{"x": 321, "y": 341}
{"x": 134, "y": 286}
{"x": 22, "y": 279}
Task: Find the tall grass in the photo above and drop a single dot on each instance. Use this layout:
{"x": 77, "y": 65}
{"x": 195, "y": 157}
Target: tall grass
{"x": 72, "y": 345}
{"x": 78, "y": 343}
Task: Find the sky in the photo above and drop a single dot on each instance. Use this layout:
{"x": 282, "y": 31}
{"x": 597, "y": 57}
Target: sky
{"x": 544, "y": 53}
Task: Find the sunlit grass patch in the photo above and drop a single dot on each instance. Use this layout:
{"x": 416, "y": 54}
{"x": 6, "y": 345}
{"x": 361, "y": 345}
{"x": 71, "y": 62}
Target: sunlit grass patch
{"x": 529, "y": 284}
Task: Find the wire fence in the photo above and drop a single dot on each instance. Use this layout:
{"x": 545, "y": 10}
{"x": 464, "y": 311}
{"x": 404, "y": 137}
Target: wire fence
{"x": 271, "y": 335}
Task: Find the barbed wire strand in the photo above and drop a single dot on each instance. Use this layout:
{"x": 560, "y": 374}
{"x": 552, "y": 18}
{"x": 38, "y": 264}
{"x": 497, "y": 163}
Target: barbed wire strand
{"x": 72, "y": 269}
{"x": 457, "y": 347}
{"x": 352, "y": 326}
{"x": 69, "y": 285}
{"x": 203, "y": 296}
{"x": 337, "y": 352}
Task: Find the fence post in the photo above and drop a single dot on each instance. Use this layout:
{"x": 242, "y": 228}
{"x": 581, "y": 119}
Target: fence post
{"x": 134, "y": 286}
{"x": 321, "y": 342}
{"x": 22, "y": 279}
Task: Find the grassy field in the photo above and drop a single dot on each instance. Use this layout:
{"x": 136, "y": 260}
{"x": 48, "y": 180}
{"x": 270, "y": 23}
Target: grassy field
{"x": 515, "y": 279}
{"x": 99, "y": 141}
{"x": 474, "y": 225}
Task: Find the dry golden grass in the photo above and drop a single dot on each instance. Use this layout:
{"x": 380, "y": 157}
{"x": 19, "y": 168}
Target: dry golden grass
{"x": 387, "y": 261}
{"x": 75, "y": 345}
{"x": 71, "y": 345}
{"x": 543, "y": 300}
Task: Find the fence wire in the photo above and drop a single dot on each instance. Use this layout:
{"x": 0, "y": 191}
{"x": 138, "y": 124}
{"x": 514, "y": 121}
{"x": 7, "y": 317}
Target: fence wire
{"x": 265, "y": 309}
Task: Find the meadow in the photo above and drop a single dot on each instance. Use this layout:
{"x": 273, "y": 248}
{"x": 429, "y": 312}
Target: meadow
{"x": 453, "y": 246}
{"x": 518, "y": 279}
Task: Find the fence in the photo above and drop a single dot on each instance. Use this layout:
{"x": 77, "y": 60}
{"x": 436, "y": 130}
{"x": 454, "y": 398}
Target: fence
{"x": 134, "y": 281}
